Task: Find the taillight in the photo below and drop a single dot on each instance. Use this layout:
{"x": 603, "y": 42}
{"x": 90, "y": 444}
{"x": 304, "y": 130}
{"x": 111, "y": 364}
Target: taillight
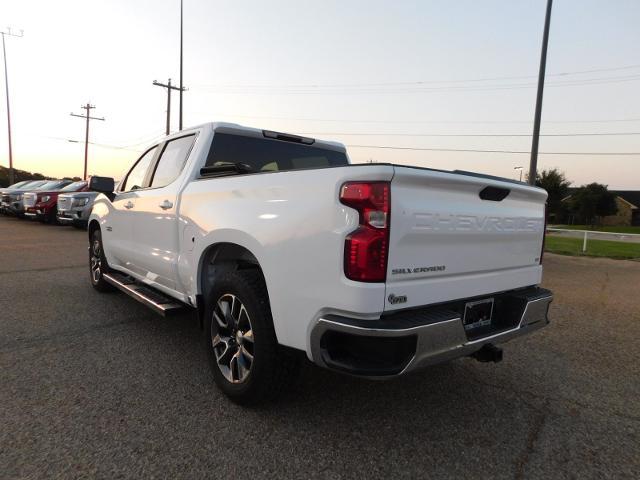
{"x": 366, "y": 249}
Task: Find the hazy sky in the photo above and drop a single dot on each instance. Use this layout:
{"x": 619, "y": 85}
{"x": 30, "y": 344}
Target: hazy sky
{"x": 330, "y": 69}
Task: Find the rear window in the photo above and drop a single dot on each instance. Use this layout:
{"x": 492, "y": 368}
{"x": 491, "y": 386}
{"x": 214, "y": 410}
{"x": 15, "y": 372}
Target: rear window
{"x": 267, "y": 155}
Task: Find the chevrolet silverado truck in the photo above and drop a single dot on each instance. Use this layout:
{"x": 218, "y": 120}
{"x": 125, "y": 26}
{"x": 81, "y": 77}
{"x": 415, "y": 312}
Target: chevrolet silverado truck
{"x": 75, "y": 208}
{"x": 282, "y": 246}
{"x": 43, "y": 204}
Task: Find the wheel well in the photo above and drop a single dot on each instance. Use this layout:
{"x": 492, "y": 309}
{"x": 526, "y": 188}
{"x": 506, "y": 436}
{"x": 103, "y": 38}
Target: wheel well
{"x": 93, "y": 226}
{"x": 222, "y": 257}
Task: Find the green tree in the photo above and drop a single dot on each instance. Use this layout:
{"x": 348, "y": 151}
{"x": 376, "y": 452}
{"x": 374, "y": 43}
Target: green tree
{"x": 19, "y": 176}
{"x": 557, "y": 187}
{"x": 592, "y": 201}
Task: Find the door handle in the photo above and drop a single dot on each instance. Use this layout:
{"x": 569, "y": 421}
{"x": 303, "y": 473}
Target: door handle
{"x": 128, "y": 205}
{"x": 166, "y": 205}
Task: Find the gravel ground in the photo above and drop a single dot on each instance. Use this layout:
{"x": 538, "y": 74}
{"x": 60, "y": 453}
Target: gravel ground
{"x": 97, "y": 386}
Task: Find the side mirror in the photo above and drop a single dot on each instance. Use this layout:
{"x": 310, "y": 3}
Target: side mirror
{"x": 104, "y": 185}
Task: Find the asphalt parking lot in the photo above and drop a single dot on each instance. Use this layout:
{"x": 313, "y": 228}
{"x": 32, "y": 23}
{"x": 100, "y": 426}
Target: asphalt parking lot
{"x": 98, "y": 386}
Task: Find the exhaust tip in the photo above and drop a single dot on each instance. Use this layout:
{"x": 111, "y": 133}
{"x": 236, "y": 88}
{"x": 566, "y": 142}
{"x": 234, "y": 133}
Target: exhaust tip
{"x": 488, "y": 353}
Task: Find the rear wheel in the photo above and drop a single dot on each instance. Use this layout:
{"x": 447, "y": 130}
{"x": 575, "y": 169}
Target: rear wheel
{"x": 247, "y": 362}
{"x": 98, "y": 263}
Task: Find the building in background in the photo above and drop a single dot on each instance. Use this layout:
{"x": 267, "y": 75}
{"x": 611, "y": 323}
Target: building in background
{"x": 628, "y": 202}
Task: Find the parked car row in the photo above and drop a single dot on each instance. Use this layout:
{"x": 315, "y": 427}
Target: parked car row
{"x": 50, "y": 201}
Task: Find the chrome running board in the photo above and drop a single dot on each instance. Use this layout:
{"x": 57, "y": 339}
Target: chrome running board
{"x": 148, "y": 296}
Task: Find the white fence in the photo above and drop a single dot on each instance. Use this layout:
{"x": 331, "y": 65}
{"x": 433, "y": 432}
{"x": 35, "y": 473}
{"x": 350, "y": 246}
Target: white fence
{"x": 594, "y": 235}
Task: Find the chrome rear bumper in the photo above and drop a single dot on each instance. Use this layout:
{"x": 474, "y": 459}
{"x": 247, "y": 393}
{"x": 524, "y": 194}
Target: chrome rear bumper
{"x": 418, "y": 338}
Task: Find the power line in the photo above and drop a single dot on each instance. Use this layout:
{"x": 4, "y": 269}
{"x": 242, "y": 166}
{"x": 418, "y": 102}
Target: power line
{"x": 466, "y": 88}
{"x": 103, "y": 145}
{"x": 523, "y": 152}
{"x": 149, "y": 138}
{"x": 424, "y": 82}
{"x": 404, "y": 122}
{"x": 115, "y": 147}
{"x": 381, "y": 134}
{"x": 107, "y": 145}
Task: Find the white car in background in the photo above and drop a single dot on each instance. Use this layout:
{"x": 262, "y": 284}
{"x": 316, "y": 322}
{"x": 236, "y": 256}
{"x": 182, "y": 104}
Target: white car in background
{"x": 75, "y": 208}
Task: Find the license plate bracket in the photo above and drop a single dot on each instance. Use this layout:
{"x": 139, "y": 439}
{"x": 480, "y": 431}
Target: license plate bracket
{"x": 478, "y": 314}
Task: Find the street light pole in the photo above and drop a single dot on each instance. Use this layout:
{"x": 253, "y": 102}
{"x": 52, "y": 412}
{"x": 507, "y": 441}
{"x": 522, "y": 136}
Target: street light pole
{"x": 6, "y": 86}
{"x": 181, "y": 85}
{"x": 519, "y": 168}
{"x": 533, "y": 166}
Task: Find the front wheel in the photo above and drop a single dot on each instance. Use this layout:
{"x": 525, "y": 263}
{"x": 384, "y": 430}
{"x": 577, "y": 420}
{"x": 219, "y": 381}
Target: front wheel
{"x": 98, "y": 263}
{"x": 247, "y": 362}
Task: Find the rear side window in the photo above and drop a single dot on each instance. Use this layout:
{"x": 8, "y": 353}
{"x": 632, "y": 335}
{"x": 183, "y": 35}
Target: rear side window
{"x": 172, "y": 160}
{"x": 268, "y": 155}
{"x": 135, "y": 178}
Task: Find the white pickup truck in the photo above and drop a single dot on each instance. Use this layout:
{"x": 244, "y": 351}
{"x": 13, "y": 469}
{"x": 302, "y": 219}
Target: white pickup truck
{"x": 281, "y": 246}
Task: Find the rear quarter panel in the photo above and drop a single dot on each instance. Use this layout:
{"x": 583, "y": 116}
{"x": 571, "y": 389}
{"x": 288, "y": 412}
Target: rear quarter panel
{"x": 295, "y": 226}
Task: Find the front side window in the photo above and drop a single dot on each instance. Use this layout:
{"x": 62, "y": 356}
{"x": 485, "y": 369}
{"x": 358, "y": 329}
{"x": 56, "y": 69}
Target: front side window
{"x": 172, "y": 161}
{"x": 135, "y": 179}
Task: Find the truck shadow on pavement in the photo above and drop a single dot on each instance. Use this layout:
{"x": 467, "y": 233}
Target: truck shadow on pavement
{"x": 339, "y": 423}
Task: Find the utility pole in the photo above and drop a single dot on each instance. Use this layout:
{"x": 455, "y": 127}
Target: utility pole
{"x": 88, "y": 107}
{"x": 169, "y": 87}
{"x": 181, "y": 85}
{"x": 6, "y": 86}
{"x": 533, "y": 166}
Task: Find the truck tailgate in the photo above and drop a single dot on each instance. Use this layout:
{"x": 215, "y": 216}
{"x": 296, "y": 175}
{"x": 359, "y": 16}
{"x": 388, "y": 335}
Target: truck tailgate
{"x": 453, "y": 236}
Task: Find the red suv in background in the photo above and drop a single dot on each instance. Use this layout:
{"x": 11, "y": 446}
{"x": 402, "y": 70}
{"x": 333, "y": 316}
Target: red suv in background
{"x": 43, "y": 204}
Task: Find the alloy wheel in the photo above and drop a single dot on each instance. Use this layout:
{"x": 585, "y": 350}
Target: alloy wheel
{"x": 96, "y": 261}
{"x": 232, "y": 338}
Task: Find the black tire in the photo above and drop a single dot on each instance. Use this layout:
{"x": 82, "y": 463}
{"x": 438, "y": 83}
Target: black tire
{"x": 98, "y": 263}
{"x": 51, "y": 218}
{"x": 272, "y": 367}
